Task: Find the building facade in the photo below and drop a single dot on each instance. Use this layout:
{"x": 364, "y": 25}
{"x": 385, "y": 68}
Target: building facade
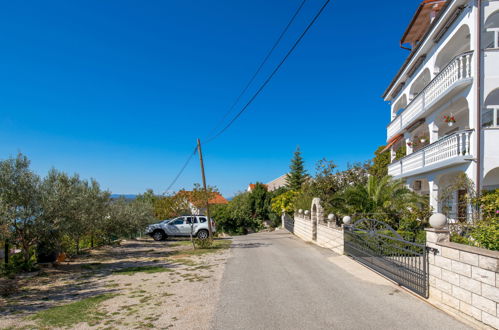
{"x": 445, "y": 101}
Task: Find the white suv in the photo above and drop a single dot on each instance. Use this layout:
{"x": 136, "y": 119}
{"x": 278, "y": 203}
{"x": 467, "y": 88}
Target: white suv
{"x": 181, "y": 227}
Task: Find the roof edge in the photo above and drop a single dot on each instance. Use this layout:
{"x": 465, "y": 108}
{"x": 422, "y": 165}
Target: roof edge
{"x": 415, "y": 49}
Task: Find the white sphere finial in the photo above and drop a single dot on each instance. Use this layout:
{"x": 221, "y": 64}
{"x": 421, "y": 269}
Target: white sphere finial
{"x": 347, "y": 220}
{"x": 331, "y": 217}
{"x": 307, "y": 212}
{"x": 438, "y": 220}
{"x": 300, "y": 211}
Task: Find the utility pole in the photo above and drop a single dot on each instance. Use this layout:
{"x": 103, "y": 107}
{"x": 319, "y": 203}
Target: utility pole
{"x": 205, "y": 190}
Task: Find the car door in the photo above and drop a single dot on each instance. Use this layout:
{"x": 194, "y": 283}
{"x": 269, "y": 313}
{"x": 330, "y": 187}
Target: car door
{"x": 187, "y": 226}
{"x": 174, "y": 227}
{"x": 194, "y": 225}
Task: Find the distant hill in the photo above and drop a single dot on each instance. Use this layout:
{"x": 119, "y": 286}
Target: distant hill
{"x": 126, "y": 196}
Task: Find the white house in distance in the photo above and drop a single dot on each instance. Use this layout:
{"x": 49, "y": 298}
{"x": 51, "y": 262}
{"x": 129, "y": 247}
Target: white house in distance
{"x": 272, "y": 185}
{"x": 445, "y": 99}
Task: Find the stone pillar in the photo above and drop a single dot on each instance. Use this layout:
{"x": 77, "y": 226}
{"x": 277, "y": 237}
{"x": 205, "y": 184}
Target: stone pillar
{"x": 433, "y": 130}
{"x": 433, "y": 193}
{"x": 434, "y": 236}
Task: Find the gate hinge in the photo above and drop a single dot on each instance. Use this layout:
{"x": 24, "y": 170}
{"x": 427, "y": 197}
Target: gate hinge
{"x": 433, "y": 250}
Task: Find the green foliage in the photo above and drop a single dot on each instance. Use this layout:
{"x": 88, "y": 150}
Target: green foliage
{"x": 126, "y": 218}
{"x": 385, "y": 199}
{"x": 486, "y": 233}
{"x": 203, "y": 243}
{"x": 60, "y": 213}
{"x": 489, "y": 203}
{"x": 401, "y": 152}
{"x": 20, "y": 204}
{"x": 328, "y": 184}
{"x": 297, "y": 174}
{"x": 239, "y": 216}
{"x": 284, "y": 201}
{"x": 260, "y": 199}
{"x": 456, "y": 238}
{"x": 165, "y": 206}
{"x": 245, "y": 212}
{"x": 417, "y": 217}
{"x": 380, "y": 162}
{"x": 303, "y": 199}
{"x": 18, "y": 263}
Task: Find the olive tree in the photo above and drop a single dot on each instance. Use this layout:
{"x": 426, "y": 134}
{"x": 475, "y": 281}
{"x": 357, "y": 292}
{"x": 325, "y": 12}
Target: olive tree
{"x": 21, "y": 207}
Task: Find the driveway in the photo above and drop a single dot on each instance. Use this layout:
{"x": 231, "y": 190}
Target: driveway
{"x": 276, "y": 281}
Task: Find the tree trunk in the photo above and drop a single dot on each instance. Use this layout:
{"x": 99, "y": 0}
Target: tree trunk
{"x": 77, "y": 241}
{"x": 92, "y": 240}
{"x": 26, "y": 253}
{"x": 192, "y": 240}
{"x": 6, "y": 248}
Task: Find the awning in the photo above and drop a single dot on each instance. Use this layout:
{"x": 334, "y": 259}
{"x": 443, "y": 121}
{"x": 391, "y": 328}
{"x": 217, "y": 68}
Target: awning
{"x": 392, "y": 141}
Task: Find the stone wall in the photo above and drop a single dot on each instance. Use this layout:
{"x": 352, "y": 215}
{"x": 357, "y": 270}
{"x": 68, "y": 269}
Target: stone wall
{"x": 303, "y": 228}
{"x": 464, "y": 279}
{"x": 328, "y": 235}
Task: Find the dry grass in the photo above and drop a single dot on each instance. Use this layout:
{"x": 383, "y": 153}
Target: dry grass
{"x": 163, "y": 280}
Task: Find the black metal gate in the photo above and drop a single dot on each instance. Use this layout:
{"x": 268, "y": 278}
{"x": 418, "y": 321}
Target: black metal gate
{"x": 378, "y": 246}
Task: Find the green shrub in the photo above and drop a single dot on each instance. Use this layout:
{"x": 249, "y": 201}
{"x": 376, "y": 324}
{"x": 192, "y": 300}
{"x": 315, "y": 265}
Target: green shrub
{"x": 17, "y": 264}
{"x": 489, "y": 203}
{"x": 486, "y": 234}
{"x": 456, "y": 238}
{"x": 203, "y": 243}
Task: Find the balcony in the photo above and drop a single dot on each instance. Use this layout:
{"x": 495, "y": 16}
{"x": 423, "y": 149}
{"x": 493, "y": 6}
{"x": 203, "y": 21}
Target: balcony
{"x": 447, "y": 151}
{"x": 457, "y": 72}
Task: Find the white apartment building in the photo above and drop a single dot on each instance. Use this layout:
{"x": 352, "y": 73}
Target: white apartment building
{"x": 445, "y": 99}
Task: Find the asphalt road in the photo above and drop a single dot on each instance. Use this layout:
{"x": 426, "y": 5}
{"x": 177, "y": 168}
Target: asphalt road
{"x": 276, "y": 281}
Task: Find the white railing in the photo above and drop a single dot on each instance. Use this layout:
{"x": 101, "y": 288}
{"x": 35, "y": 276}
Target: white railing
{"x": 448, "y": 147}
{"x": 395, "y": 169}
{"x": 457, "y": 70}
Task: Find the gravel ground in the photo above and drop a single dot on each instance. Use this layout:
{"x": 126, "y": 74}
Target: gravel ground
{"x": 182, "y": 294}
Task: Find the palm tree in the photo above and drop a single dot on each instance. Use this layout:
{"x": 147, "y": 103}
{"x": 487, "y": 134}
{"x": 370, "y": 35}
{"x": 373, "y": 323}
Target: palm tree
{"x": 381, "y": 198}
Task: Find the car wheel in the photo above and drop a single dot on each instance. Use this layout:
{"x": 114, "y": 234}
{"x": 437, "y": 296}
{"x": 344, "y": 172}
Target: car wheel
{"x": 158, "y": 235}
{"x": 202, "y": 234}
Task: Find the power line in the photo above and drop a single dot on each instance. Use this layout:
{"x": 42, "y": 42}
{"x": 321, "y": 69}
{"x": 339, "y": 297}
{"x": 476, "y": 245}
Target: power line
{"x": 181, "y": 170}
{"x": 251, "y": 80}
{"x": 276, "y": 43}
{"x": 271, "y": 75}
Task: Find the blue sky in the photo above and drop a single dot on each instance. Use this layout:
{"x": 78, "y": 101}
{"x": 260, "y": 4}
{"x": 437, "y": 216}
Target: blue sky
{"x": 120, "y": 90}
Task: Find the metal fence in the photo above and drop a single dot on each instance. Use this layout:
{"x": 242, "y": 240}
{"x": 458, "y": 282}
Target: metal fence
{"x": 378, "y": 246}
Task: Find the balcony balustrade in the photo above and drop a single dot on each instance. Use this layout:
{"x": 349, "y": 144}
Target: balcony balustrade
{"x": 459, "y": 69}
{"x": 440, "y": 153}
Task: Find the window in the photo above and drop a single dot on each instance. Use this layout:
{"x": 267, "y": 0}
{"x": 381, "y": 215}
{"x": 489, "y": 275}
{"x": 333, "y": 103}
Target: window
{"x": 490, "y": 116}
{"x": 202, "y": 219}
{"x": 191, "y": 220}
{"x": 178, "y": 221}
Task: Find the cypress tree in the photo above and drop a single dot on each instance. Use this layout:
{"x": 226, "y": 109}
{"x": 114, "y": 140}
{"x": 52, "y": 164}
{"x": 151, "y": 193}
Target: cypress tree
{"x": 379, "y": 166}
{"x": 297, "y": 174}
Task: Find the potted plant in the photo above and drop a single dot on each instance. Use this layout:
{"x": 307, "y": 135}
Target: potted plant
{"x": 450, "y": 120}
